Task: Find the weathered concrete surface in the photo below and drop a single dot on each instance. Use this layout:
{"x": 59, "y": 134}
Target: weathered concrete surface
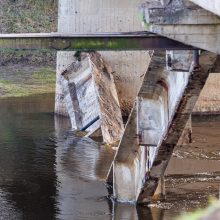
{"x": 213, "y": 5}
{"x": 196, "y": 82}
{"x": 89, "y": 94}
{"x": 105, "y": 16}
{"x": 209, "y": 99}
{"x": 98, "y": 16}
{"x": 129, "y": 68}
{"x": 177, "y": 12}
{"x": 109, "y": 109}
{"x": 156, "y": 103}
{"x": 179, "y": 60}
{"x": 143, "y": 166}
{"x": 183, "y": 21}
{"x": 64, "y": 59}
{"x": 79, "y": 92}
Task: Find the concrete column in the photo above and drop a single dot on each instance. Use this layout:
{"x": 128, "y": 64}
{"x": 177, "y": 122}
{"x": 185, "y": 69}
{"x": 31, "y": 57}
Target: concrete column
{"x": 165, "y": 103}
{"x": 86, "y": 16}
{"x": 157, "y": 101}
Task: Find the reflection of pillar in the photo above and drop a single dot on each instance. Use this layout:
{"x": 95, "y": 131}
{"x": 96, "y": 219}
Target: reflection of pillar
{"x": 125, "y": 211}
{"x": 152, "y": 213}
{"x": 61, "y": 124}
{"x": 133, "y": 212}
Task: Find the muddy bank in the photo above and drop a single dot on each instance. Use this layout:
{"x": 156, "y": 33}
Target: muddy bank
{"x": 24, "y": 73}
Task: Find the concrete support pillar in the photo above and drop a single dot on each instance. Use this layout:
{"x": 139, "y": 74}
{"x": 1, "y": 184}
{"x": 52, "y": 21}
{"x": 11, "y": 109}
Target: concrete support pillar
{"x": 157, "y": 101}
{"x": 104, "y": 16}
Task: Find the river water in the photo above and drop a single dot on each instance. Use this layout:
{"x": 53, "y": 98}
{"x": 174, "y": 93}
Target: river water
{"x": 46, "y": 172}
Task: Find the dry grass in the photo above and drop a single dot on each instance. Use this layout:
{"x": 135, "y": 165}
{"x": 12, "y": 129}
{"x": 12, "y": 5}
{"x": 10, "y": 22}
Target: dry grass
{"x": 28, "y": 16}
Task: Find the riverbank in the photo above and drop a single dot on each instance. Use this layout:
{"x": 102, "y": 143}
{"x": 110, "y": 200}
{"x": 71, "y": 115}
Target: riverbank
{"x": 24, "y": 73}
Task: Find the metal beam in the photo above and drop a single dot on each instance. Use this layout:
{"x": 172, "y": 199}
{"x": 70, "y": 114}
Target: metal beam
{"x": 100, "y": 41}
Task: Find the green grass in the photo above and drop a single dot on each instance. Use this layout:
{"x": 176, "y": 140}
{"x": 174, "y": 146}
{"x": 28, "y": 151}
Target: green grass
{"x": 39, "y": 82}
{"x": 17, "y": 16}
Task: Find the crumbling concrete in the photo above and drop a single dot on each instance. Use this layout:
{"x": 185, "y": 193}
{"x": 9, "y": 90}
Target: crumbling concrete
{"x": 104, "y": 16}
{"x": 90, "y": 96}
{"x": 213, "y": 5}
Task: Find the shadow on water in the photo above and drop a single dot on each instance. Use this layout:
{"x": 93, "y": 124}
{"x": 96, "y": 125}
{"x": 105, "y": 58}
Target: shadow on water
{"x": 46, "y": 172}
{"x": 27, "y": 173}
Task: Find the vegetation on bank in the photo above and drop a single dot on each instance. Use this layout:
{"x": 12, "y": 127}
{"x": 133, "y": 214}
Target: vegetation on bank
{"x": 23, "y": 83}
{"x": 24, "y": 73}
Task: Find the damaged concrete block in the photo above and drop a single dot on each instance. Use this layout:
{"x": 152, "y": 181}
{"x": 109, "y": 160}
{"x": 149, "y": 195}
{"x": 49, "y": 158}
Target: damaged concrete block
{"x": 91, "y": 98}
{"x": 183, "y": 21}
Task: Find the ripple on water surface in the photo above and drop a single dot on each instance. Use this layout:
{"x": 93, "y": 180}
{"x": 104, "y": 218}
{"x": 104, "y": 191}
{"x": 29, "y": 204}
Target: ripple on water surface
{"x": 64, "y": 178}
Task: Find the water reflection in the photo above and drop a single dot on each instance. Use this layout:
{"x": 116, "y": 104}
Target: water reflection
{"x": 27, "y": 174}
{"x": 81, "y": 165}
{"x": 47, "y": 172}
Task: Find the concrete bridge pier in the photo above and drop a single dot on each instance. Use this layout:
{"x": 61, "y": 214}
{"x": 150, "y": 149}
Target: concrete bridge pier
{"x": 163, "y": 97}
{"x": 159, "y": 116}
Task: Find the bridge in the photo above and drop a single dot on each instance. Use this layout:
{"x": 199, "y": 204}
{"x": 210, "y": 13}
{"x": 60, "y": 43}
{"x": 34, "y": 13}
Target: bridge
{"x": 158, "y": 89}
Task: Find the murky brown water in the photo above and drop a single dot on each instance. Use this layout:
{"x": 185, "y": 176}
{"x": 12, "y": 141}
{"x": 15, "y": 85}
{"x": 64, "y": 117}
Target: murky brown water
{"x": 43, "y": 180}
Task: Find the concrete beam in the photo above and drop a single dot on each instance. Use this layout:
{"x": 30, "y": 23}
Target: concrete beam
{"x": 176, "y": 12}
{"x": 213, "y": 5}
{"x": 183, "y": 21}
{"x": 82, "y": 42}
{"x": 163, "y": 107}
{"x": 90, "y": 96}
